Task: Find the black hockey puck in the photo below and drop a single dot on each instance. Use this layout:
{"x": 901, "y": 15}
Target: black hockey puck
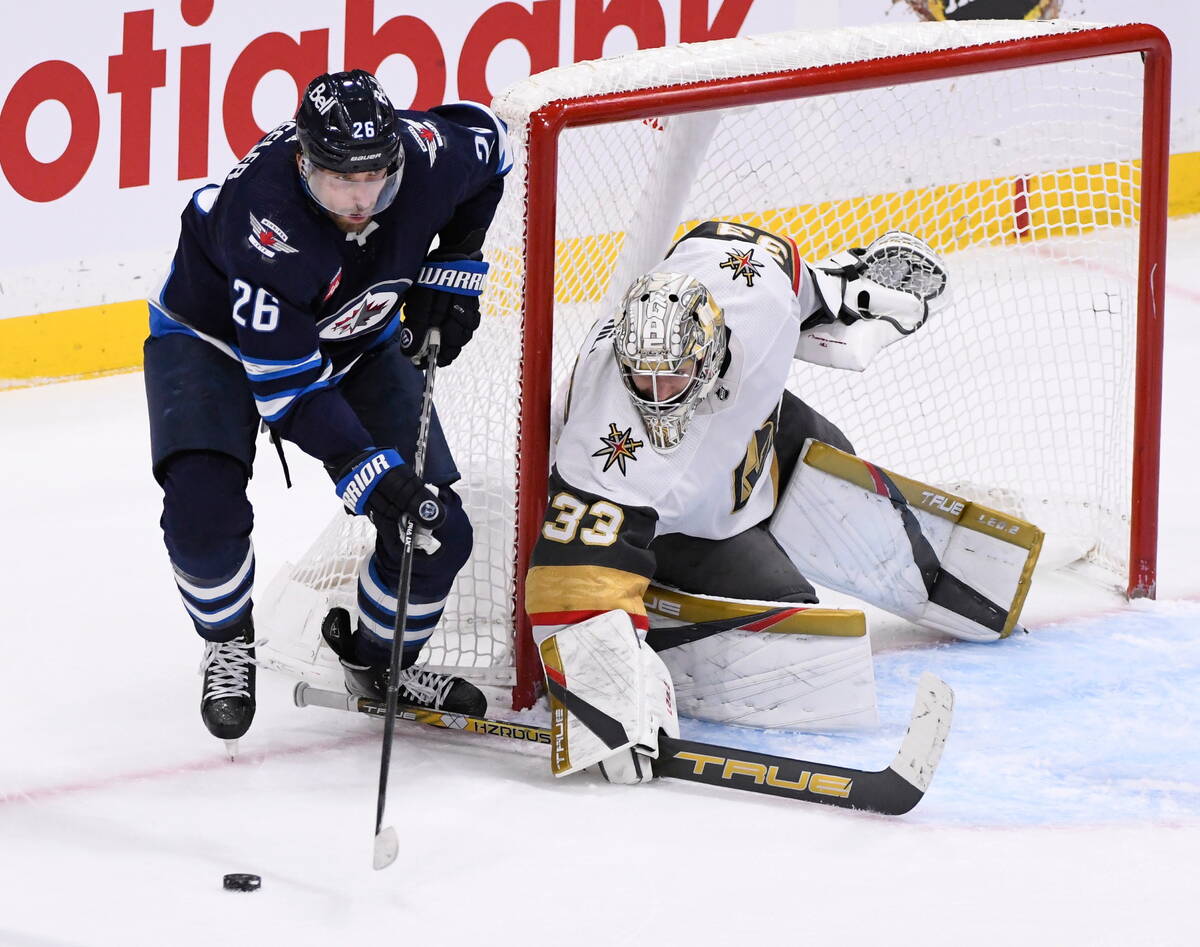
{"x": 242, "y": 882}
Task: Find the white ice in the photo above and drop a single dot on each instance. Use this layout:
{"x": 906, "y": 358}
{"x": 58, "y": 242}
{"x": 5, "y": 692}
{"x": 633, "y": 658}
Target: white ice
{"x": 1066, "y": 810}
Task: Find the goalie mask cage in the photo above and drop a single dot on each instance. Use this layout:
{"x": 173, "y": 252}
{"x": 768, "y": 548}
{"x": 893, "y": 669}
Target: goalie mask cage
{"x": 1032, "y": 155}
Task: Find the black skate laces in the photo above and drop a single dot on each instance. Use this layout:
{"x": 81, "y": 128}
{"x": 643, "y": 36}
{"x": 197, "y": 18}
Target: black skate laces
{"x": 226, "y": 665}
{"x": 427, "y": 688}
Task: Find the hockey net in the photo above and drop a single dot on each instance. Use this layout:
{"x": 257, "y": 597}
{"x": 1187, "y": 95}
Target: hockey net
{"x": 1032, "y": 155}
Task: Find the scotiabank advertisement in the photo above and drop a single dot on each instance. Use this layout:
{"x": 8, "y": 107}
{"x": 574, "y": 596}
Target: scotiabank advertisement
{"x": 113, "y": 112}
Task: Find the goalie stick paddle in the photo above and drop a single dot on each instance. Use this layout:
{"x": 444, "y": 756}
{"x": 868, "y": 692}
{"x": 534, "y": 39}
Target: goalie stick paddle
{"x": 893, "y": 790}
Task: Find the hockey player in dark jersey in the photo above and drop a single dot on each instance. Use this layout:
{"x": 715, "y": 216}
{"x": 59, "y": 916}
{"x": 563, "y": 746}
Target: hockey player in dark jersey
{"x": 299, "y": 297}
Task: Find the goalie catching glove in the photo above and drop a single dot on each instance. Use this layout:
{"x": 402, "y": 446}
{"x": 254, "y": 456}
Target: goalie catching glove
{"x": 379, "y": 484}
{"x": 446, "y": 297}
{"x": 610, "y": 695}
{"x": 865, "y": 299}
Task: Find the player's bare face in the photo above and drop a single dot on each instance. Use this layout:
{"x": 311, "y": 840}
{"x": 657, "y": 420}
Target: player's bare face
{"x": 350, "y": 199}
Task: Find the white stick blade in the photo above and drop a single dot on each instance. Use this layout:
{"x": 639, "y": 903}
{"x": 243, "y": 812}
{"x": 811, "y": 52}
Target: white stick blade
{"x": 387, "y": 846}
{"x": 928, "y": 729}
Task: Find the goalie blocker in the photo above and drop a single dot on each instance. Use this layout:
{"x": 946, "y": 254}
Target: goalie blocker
{"x": 938, "y": 560}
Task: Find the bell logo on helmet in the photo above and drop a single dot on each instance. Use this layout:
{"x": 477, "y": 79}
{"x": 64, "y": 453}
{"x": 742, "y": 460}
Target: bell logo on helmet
{"x": 320, "y": 100}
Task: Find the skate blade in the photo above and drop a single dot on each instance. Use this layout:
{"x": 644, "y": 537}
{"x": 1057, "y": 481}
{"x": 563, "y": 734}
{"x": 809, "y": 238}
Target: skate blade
{"x": 231, "y": 748}
{"x": 386, "y": 848}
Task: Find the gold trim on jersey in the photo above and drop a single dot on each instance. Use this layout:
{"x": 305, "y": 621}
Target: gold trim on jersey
{"x": 693, "y": 609}
{"x": 583, "y": 588}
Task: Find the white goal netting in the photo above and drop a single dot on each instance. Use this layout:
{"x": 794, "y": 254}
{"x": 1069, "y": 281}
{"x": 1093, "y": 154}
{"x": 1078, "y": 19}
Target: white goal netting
{"x": 1027, "y": 180}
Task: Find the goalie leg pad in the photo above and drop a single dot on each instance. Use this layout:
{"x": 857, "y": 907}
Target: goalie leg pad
{"x": 610, "y": 695}
{"x": 781, "y": 667}
{"x": 914, "y": 550}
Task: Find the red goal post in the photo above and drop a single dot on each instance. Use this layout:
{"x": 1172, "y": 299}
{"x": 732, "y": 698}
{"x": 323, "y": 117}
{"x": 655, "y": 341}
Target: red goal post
{"x": 1030, "y": 46}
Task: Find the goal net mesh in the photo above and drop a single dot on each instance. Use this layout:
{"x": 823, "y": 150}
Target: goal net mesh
{"x": 1019, "y": 393}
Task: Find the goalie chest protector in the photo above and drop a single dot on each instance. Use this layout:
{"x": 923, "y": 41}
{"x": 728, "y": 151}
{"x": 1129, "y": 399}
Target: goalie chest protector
{"x": 723, "y": 477}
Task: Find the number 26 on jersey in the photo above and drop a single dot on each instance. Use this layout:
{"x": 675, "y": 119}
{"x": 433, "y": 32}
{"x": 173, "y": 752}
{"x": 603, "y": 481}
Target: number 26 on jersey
{"x": 264, "y": 308}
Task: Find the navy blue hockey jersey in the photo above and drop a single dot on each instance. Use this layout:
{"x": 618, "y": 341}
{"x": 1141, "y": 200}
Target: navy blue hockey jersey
{"x": 264, "y": 275}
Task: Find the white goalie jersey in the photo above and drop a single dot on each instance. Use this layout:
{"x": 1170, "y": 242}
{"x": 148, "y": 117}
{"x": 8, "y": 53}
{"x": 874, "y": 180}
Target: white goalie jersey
{"x": 723, "y": 477}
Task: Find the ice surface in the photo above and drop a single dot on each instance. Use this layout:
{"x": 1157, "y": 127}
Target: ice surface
{"x": 1066, "y": 810}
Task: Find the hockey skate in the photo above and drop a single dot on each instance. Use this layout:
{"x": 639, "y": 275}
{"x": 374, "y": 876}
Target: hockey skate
{"x": 227, "y": 700}
{"x": 418, "y": 686}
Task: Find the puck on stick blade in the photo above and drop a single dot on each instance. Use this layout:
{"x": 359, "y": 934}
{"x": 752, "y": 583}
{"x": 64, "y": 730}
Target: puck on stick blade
{"x": 242, "y": 882}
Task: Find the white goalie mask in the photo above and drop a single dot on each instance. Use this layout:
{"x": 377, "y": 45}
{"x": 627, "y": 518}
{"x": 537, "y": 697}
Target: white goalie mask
{"x": 670, "y": 345}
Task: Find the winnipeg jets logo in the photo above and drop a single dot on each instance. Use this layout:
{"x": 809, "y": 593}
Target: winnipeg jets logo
{"x": 268, "y": 238}
{"x": 427, "y": 137}
{"x": 366, "y": 313}
{"x": 618, "y": 447}
{"x": 742, "y": 264}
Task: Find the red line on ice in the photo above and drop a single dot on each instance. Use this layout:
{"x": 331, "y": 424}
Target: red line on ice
{"x": 1173, "y": 288}
{"x": 200, "y": 766}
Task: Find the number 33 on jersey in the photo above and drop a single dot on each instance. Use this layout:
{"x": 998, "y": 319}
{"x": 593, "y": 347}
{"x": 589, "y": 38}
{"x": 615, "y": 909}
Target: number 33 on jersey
{"x": 591, "y": 557}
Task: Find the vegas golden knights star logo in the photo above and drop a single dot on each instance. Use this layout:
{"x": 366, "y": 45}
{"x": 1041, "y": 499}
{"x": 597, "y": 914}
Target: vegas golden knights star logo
{"x": 742, "y": 264}
{"x": 750, "y": 469}
{"x": 618, "y": 447}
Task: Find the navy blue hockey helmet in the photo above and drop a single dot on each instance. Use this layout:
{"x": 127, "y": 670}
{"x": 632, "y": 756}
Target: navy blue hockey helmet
{"x": 346, "y": 125}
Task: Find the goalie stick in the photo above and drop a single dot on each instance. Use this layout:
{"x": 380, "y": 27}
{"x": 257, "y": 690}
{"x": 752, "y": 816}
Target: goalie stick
{"x": 890, "y": 791}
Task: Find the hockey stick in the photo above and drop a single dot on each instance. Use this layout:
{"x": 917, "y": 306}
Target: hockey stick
{"x": 387, "y": 846}
{"x": 890, "y": 791}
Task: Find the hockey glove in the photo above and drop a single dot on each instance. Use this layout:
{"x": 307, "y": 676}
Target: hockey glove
{"x": 446, "y": 297}
{"x": 379, "y": 484}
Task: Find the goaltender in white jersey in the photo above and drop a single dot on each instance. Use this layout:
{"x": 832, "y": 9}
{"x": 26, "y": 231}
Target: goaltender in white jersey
{"x": 683, "y": 459}
{"x": 722, "y": 478}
